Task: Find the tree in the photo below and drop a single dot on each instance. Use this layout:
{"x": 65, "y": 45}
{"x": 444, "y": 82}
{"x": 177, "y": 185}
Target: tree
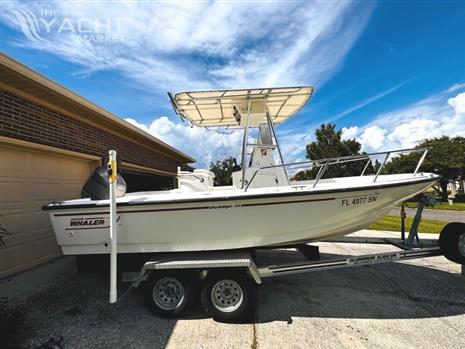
{"x": 223, "y": 171}
{"x": 446, "y": 158}
{"x": 328, "y": 144}
{"x": 377, "y": 166}
{"x": 187, "y": 167}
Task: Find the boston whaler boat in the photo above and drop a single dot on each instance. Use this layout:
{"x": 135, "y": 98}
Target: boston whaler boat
{"x": 262, "y": 207}
{"x": 212, "y": 232}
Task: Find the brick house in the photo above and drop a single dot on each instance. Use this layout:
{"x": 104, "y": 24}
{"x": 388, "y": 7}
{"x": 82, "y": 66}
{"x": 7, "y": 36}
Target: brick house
{"x": 51, "y": 140}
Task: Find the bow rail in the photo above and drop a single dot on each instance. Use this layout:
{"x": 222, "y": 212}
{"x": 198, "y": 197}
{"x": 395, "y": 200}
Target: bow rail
{"x": 323, "y": 164}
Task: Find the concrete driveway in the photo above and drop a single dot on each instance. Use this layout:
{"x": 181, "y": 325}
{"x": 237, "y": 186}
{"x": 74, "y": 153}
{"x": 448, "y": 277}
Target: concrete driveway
{"x": 417, "y": 304}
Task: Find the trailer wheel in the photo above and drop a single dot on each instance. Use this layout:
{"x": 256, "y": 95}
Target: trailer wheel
{"x": 228, "y": 296}
{"x": 452, "y": 242}
{"x": 167, "y": 294}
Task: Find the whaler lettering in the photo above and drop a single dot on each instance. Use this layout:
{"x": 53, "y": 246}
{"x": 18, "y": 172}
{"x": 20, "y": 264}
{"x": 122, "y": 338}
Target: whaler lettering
{"x": 86, "y": 222}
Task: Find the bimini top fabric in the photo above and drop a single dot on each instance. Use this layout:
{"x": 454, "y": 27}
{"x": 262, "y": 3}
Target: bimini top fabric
{"x": 221, "y": 107}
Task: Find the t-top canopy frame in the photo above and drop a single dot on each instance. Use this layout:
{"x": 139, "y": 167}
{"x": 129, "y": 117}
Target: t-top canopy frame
{"x": 219, "y": 108}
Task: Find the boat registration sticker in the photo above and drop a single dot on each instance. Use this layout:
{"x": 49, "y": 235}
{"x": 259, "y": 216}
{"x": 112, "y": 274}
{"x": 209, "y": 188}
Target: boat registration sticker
{"x": 359, "y": 200}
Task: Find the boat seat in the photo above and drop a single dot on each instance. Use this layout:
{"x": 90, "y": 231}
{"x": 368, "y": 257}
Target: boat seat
{"x": 198, "y": 180}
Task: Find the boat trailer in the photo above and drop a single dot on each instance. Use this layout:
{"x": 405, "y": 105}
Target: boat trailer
{"x": 245, "y": 260}
{"x": 229, "y": 276}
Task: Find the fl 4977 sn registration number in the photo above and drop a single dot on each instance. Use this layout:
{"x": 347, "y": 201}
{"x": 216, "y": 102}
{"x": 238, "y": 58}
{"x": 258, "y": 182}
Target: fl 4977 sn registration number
{"x": 360, "y": 200}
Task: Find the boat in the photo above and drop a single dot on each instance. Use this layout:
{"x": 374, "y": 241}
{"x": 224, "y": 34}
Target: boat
{"x": 264, "y": 206}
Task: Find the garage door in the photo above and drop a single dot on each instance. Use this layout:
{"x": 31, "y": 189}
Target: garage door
{"x": 28, "y": 180}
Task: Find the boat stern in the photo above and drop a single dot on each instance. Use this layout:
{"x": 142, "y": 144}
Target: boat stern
{"x": 79, "y": 231}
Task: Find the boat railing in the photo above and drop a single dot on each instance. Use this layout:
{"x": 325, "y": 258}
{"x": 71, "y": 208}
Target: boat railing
{"x": 323, "y": 164}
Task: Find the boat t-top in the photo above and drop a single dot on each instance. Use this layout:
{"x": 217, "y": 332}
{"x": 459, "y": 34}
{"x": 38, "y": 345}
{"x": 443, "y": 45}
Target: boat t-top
{"x": 263, "y": 207}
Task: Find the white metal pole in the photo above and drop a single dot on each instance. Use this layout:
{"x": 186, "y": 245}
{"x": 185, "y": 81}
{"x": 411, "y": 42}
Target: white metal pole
{"x": 244, "y": 145}
{"x": 420, "y": 162}
{"x": 273, "y": 131}
{"x": 112, "y": 179}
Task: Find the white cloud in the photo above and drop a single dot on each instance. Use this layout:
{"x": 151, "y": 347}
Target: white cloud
{"x": 365, "y": 102}
{"x": 297, "y": 147}
{"x": 349, "y": 132}
{"x": 373, "y": 137}
{"x": 401, "y": 128}
{"x": 458, "y": 102}
{"x": 408, "y": 134}
{"x": 293, "y": 144}
{"x": 201, "y": 144}
{"x": 456, "y": 87}
{"x": 177, "y": 45}
{"x": 406, "y": 127}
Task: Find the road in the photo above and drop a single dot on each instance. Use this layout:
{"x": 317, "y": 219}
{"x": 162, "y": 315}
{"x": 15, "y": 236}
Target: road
{"x": 414, "y": 304}
{"x": 437, "y": 215}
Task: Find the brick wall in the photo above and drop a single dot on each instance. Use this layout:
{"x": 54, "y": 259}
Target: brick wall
{"x": 25, "y": 120}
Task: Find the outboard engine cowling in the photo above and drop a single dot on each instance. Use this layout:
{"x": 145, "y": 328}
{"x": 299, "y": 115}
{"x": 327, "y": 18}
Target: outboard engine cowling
{"x": 96, "y": 186}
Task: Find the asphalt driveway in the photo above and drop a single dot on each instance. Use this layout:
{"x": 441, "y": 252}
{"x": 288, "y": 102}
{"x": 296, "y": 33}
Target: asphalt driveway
{"x": 437, "y": 215}
{"x": 415, "y": 304}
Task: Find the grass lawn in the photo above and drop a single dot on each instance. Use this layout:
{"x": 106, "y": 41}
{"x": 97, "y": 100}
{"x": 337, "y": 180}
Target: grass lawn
{"x": 392, "y": 223}
{"x": 457, "y": 206}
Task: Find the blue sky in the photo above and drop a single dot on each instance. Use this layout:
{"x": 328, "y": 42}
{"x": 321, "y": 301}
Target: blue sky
{"x": 389, "y": 73}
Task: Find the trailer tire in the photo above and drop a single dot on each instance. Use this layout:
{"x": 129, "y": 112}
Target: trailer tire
{"x": 168, "y": 294}
{"x": 452, "y": 242}
{"x": 229, "y": 296}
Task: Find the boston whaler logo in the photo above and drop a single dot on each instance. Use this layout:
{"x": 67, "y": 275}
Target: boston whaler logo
{"x": 85, "y": 222}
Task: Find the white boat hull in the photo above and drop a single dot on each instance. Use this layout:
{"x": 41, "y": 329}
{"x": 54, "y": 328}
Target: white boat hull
{"x": 211, "y": 222}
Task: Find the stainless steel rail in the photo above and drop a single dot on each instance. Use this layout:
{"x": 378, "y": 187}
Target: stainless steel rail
{"x": 323, "y": 164}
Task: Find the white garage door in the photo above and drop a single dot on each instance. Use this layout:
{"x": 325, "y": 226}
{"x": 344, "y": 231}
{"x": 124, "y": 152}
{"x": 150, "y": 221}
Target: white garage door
{"x": 28, "y": 180}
